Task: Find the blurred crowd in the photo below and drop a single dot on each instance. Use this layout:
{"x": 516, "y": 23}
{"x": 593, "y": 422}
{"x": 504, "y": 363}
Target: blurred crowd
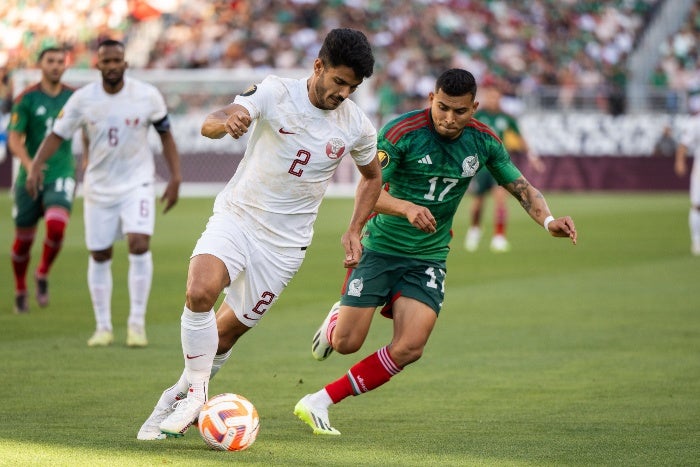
{"x": 578, "y": 48}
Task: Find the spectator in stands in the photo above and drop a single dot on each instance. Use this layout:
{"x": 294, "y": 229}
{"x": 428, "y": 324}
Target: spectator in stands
{"x": 666, "y": 144}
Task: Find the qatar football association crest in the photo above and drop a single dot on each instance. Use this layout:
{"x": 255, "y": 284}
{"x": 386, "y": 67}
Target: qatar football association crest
{"x": 335, "y": 148}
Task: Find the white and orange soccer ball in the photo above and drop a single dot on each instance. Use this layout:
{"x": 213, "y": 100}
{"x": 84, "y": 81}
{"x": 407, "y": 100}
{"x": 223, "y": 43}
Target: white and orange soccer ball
{"x": 229, "y": 422}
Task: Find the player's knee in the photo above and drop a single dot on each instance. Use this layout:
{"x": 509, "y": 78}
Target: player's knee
{"x": 346, "y": 344}
{"x": 138, "y": 243}
{"x": 405, "y": 354}
{"x": 200, "y": 297}
{"x": 102, "y": 255}
{"x": 56, "y": 220}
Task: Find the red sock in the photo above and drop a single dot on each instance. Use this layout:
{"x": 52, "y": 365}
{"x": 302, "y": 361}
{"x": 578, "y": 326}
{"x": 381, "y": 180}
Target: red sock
{"x": 364, "y": 376}
{"x": 500, "y": 215}
{"x": 24, "y": 237}
{"x": 56, "y": 220}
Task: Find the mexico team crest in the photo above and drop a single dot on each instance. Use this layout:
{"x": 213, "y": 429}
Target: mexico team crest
{"x": 355, "y": 287}
{"x": 335, "y": 148}
{"x": 470, "y": 165}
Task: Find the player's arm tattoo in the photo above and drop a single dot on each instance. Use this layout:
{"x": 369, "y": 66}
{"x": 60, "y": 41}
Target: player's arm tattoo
{"x": 526, "y": 195}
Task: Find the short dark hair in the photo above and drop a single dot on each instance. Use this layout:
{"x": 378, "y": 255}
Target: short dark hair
{"x": 110, "y": 43}
{"x": 348, "y": 47}
{"x": 48, "y": 50}
{"x": 456, "y": 82}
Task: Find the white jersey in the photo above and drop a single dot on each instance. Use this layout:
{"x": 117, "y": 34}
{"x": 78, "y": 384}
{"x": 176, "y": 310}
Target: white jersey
{"x": 293, "y": 151}
{"x": 120, "y": 158}
{"x": 690, "y": 138}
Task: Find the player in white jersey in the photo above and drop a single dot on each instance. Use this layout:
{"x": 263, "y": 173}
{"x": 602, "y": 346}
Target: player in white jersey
{"x": 690, "y": 138}
{"x": 256, "y": 239}
{"x": 118, "y": 186}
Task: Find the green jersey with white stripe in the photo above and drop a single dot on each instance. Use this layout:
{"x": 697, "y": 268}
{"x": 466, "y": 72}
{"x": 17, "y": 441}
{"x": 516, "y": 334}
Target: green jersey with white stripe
{"x": 420, "y": 166}
{"x": 33, "y": 114}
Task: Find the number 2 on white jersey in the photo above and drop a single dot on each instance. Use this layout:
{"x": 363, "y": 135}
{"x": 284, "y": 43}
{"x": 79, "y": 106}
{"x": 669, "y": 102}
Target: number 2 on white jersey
{"x": 303, "y": 158}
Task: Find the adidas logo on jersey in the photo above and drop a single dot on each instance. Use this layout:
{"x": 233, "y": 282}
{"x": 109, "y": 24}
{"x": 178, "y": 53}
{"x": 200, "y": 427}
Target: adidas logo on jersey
{"x": 426, "y": 160}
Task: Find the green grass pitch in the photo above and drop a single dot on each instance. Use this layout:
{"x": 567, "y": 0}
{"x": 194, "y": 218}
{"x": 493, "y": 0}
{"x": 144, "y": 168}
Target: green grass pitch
{"x": 547, "y": 355}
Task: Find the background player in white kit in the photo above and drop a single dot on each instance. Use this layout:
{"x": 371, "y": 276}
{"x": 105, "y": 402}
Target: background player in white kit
{"x": 119, "y": 181}
{"x": 256, "y": 239}
{"x": 690, "y": 138}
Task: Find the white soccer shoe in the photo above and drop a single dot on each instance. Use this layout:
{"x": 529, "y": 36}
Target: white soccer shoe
{"x": 472, "y": 239}
{"x": 185, "y": 413}
{"x": 150, "y": 430}
{"x": 320, "y": 346}
{"x": 499, "y": 244}
{"x": 315, "y": 417}
{"x": 101, "y": 339}
{"x": 136, "y": 337}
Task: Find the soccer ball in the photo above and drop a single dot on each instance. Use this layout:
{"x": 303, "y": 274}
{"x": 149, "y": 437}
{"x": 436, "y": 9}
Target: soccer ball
{"x": 229, "y": 422}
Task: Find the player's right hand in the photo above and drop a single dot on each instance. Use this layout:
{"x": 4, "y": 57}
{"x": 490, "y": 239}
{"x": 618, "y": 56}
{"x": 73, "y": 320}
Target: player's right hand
{"x": 35, "y": 179}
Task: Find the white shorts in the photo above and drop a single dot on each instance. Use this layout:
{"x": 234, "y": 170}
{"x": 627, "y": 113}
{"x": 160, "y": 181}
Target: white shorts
{"x": 107, "y": 223}
{"x": 259, "y": 272}
{"x": 695, "y": 183}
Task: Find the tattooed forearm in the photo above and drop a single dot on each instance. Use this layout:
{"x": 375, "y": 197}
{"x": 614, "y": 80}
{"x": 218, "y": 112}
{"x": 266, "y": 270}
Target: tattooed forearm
{"x": 527, "y": 196}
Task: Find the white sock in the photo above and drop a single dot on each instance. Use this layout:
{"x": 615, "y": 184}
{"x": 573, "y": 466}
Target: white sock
{"x": 199, "y": 342}
{"x": 219, "y": 361}
{"x": 140, "y": 276}
{"x": 100, "y": 286}
{"x": 174, "y": 393}
{"x": 321, "y": 399}
{"x": 694, "y": 223}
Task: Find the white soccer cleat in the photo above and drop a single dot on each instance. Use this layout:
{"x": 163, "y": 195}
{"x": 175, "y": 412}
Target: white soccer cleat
{"x": 101, "y": 339}
{"x": 150, "y": 430}
{"x": 472, "y": 239}
{"x": 320, "y": 346}
{"x": 499, "y": 244}
{"x": 315, "y": 417}
{"x": 136, "y": 337}
{"x": 185, "y": 413}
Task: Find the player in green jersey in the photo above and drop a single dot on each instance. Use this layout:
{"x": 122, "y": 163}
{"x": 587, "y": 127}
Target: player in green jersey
{"x": 428, "y": 159}
{"x": 506, "y": 127}
{"x": 33, "y": 114}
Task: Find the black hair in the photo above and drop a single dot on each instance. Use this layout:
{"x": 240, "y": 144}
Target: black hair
{"x": 110, "y": 43}
{"x": 48, "y": 50}
{"x": 456, "y": 82}
{"x": 348, "y": 47}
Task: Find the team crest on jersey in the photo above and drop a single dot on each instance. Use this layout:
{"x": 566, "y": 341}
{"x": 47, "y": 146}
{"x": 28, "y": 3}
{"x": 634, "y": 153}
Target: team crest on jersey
{"x": 40, "y": 111}
{"x": 251, "y": 90}
{"x": 383, "y": 158}
{"x": 355, "y": 287}
{"x": 132, "y": 123}
{"x": 335, "y": 148}
{"x": 470, "y": 165}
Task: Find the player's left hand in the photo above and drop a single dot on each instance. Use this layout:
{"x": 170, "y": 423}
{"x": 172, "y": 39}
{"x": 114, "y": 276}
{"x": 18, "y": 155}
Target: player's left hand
{"x": 353, "y": 248}
{"x": 421, "y": 218}
{"x": 171, "y": 195}
{"x": 563, "y": 227}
